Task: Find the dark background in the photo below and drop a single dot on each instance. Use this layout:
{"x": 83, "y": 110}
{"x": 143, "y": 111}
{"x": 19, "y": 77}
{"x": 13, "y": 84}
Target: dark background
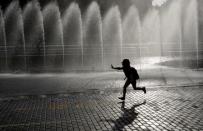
{"x": 142, "y": 5}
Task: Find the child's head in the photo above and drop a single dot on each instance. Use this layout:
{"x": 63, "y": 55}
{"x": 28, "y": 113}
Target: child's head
{"x": 126, "y": 63}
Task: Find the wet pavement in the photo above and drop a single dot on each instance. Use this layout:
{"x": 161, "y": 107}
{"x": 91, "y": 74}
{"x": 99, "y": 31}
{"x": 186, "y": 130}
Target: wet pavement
{"x": 40, "y": 84}
{"x": 90, "y": 101}
{"x": 158, "y": 110}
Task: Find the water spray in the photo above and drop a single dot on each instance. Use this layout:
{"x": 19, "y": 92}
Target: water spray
{"x": 158, "y": 3}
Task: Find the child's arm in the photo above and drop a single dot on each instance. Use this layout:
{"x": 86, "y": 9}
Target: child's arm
{"x": 117, "y": 68}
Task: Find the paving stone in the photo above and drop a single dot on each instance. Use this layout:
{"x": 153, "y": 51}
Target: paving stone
{"x": 158, "y": 110}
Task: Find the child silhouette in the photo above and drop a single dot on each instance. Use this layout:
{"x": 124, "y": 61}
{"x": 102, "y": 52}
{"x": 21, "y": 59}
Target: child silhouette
{"x": 131, "y": 75}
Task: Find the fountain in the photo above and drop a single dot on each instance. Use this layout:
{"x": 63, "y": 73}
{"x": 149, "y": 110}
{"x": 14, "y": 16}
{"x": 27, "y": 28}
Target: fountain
{"x": 170, "y": 32}
{"x": 151, "y": 35}
{"x": 34, "y": 37}
{"x": 200, "y": 32}
{"x": 132, "y": 35}
{"x": 3, "y": 48}
{"x": 15, "y": 38}
{"x": 53, "y": 33}
{"x": 112, "y": 37}
{"x": 180, "y": 37}
{"x": 73, "y": 37}
{"x": 43, "y": 39}
{"x": 93, "y": 42}
{"x": 190, "y": 44}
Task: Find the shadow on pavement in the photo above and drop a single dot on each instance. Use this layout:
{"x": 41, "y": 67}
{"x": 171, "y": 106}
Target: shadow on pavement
{"x": 127, "y": 116}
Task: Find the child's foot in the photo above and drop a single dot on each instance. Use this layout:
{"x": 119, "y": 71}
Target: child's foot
{"x": 144, "y": 90}
{"x": 121, "y": 98}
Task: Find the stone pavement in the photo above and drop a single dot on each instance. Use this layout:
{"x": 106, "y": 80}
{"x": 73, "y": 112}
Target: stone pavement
{"x": 161, "y": 109}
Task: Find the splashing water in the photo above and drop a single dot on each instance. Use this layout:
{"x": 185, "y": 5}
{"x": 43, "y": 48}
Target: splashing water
{"x": 43, "y": 39}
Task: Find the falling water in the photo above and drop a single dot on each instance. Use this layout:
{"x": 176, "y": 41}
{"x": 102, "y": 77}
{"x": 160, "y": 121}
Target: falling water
{"x": 23, "y": 39}
{"x": 93, "y": 43}
{"x": 37, "y": 39}
{"x": 3, "y": 48}
{"x": 172, "y": 31}
{"x": 43, "y": 40}
{"x": 132, "y": 35}
{"x": 197, "y": 32}
{"x": 14, "y": 37}
{"x": 33, "y": 29}
{"x": 190, "y": 32}
{"x": 73, "y": 38}
{"x": 112, "y": 37}
{"x": 151, "y": 34}
{"x": 53, "y": 37}
{"x": 181, "y": 35}
{"x": 62, "y": 42}
{"x": 200, "y": 31}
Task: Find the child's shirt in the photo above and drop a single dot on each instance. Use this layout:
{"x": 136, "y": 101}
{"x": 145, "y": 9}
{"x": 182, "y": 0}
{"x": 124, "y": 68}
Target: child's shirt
{"x": 131, "y": 73}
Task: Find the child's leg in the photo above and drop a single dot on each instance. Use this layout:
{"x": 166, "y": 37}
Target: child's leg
{"x": 138, "y": 88}
{"x": 127, "y": 83}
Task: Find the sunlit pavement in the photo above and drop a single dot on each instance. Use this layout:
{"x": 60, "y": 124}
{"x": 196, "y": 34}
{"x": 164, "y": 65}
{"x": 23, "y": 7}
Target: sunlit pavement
{"x": 89, "y": 101}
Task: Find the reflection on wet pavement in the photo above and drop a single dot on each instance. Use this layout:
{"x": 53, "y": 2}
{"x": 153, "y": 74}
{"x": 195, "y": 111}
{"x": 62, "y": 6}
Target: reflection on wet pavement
{"x": 36, "y": 84}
